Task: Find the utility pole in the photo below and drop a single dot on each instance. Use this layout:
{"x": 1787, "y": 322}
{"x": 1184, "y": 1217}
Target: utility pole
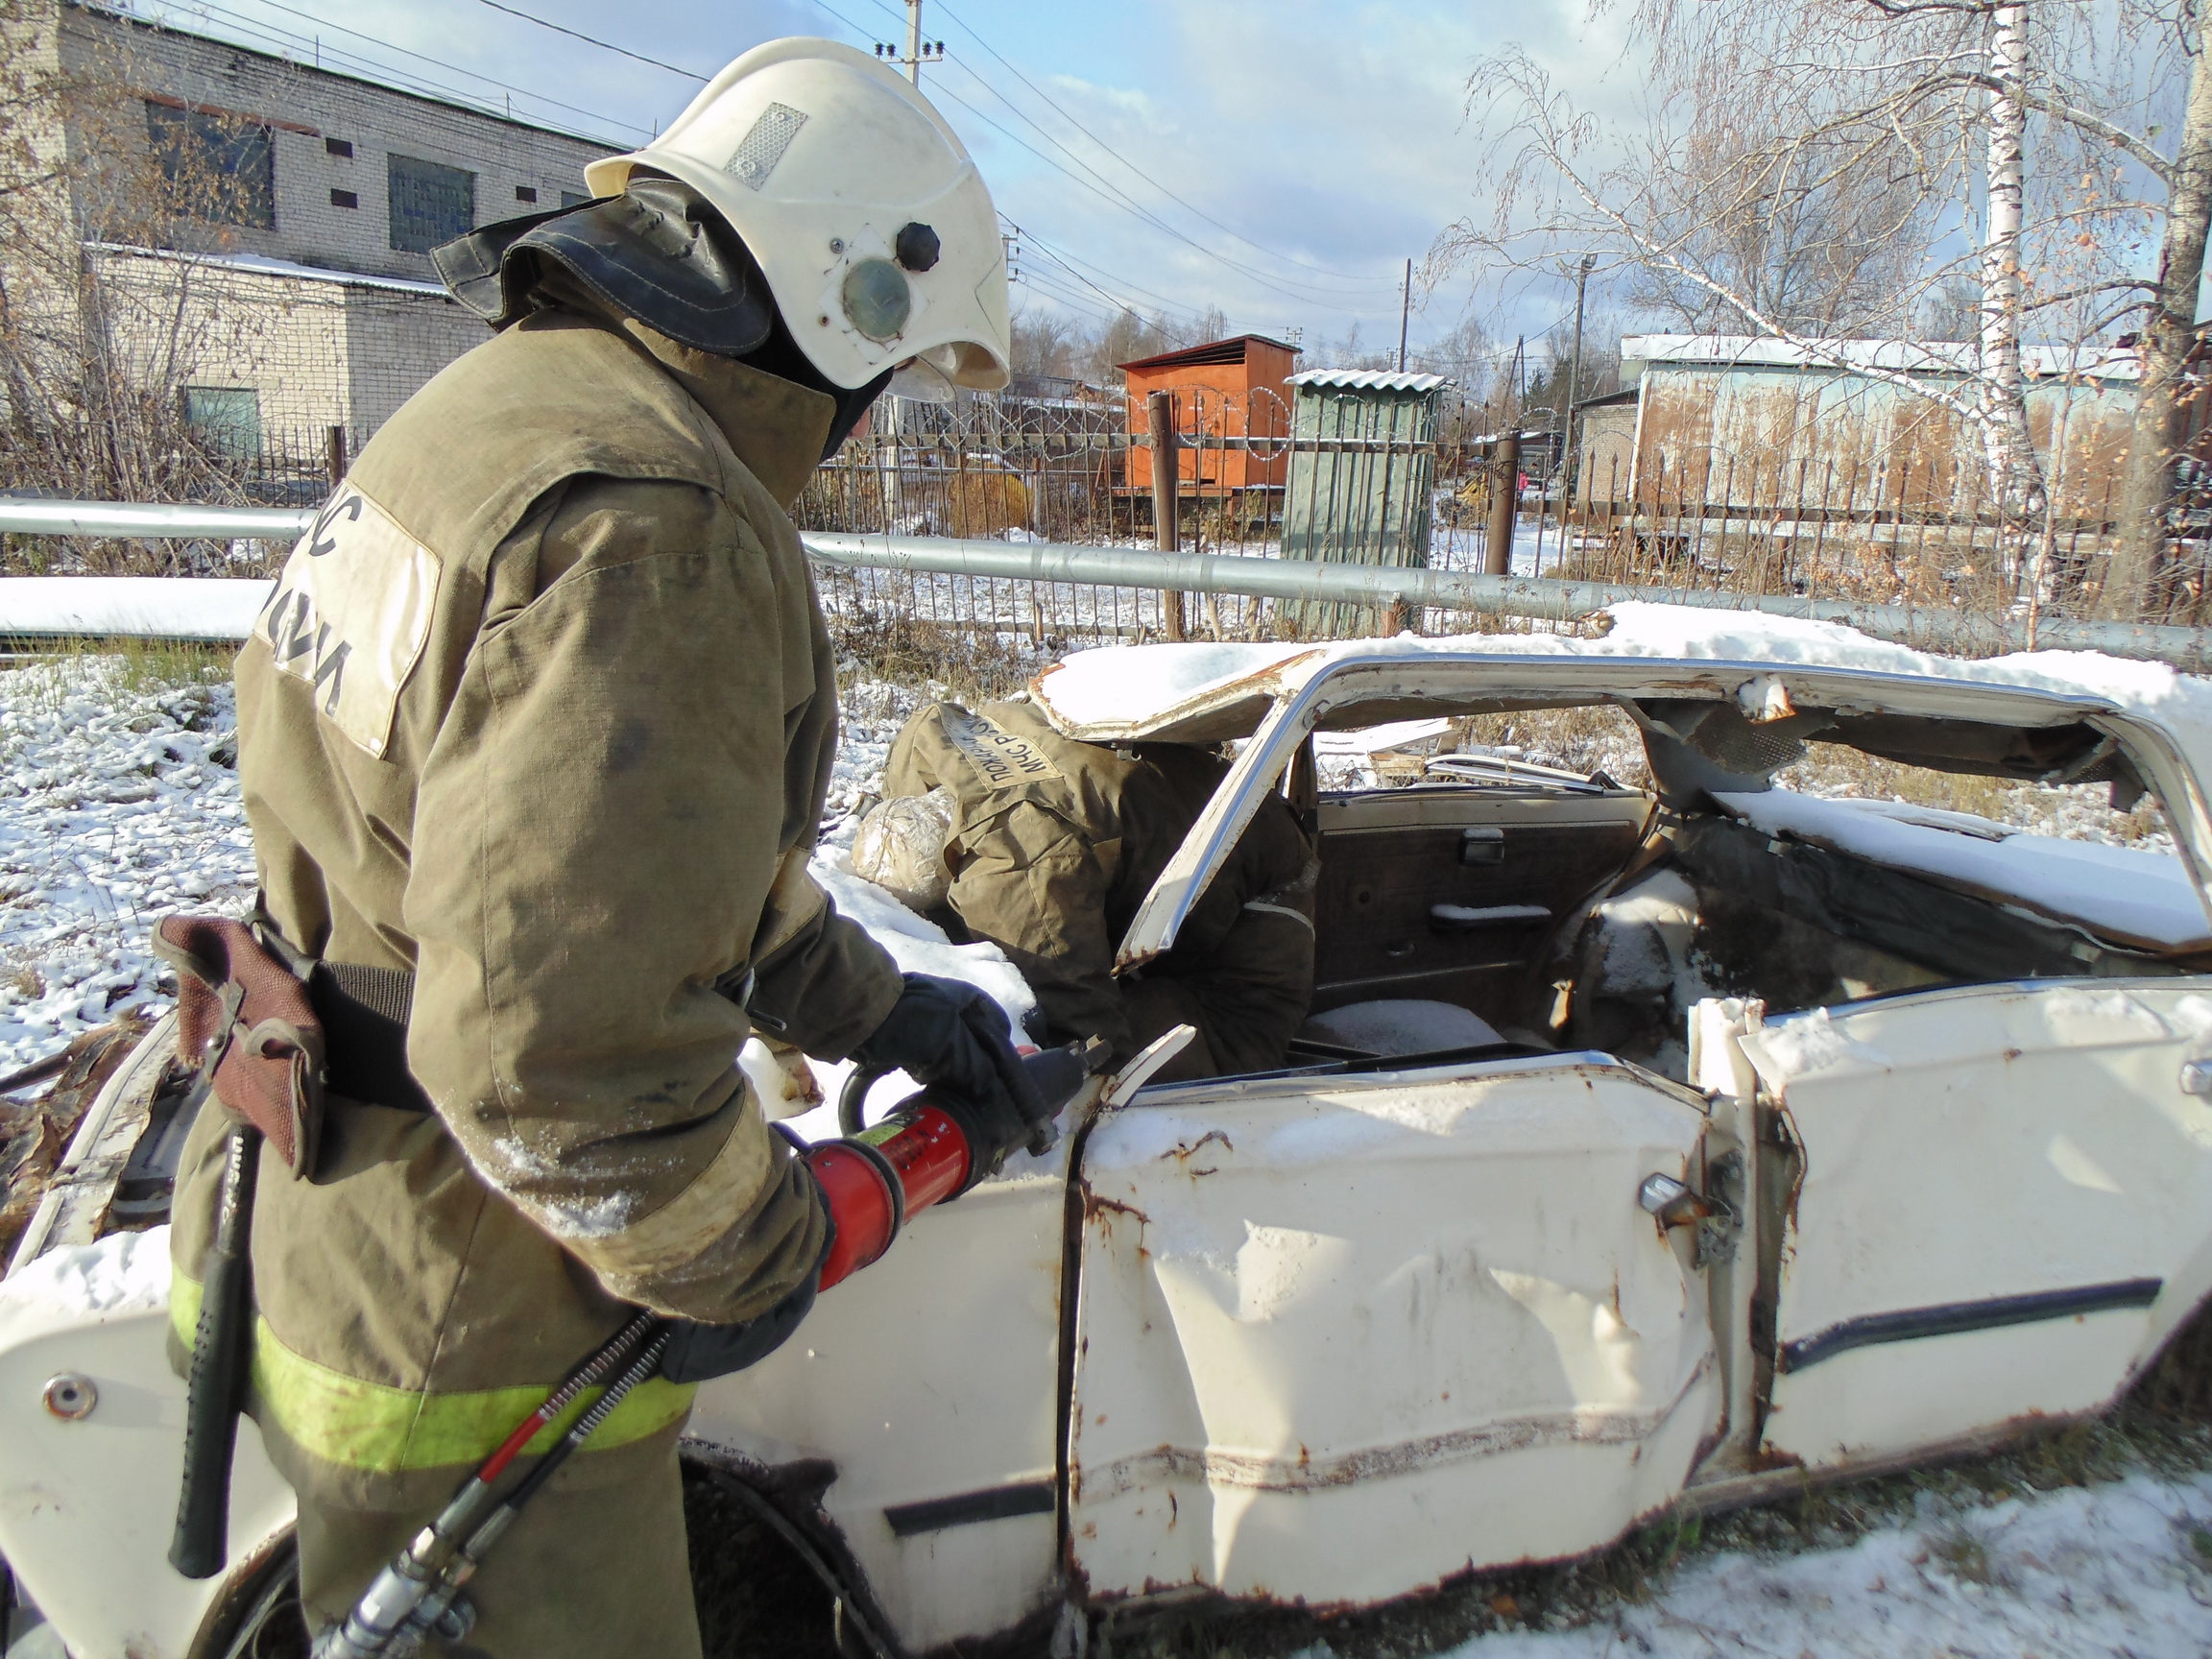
{"x": 1404, "y": 316}
{"x": 918, "y": 50}
{"x": 1573, "y": 390}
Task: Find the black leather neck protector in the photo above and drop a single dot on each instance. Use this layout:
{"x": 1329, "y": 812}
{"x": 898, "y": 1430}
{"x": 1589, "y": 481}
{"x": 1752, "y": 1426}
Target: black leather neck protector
{"x": 657, "y": 252}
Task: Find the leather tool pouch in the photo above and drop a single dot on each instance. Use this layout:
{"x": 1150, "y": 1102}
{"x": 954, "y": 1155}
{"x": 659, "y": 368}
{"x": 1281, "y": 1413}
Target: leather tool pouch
{"x": 245, "y": 1017}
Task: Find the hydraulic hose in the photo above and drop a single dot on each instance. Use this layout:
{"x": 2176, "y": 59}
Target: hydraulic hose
{"x": 872, "y": 1183}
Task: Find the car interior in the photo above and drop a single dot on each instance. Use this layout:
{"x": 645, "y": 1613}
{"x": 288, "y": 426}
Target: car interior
{"x": 1479, "y": 905}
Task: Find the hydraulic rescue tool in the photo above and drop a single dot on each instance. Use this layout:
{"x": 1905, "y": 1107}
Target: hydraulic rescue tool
{"x": 930, "y": 1149}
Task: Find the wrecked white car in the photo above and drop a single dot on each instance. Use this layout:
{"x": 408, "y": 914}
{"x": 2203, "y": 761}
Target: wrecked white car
{"x": 1770, "y": 1138}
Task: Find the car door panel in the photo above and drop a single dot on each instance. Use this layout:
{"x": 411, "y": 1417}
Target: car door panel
{"x": 1390, "y": 858}
{"x": 930, "y": 1382}
{"x": 2004, "y": 1207}
{"x": 1340, "y": 1336}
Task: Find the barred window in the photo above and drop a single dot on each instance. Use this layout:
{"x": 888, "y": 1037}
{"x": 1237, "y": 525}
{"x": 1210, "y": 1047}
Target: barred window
{"x": 431, "y": 203}
{"x": 219, "y": 167}
{"x": 228, "y": 417}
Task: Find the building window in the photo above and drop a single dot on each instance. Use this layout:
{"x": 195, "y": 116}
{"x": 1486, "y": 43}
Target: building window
{"x": 218, "y": 167}
{"x": 525, "y": 192}
{"x": 339, "y": 146}
{"x": 570, "y": 199}
{"x": 431, "y": 203}
{"x": 229, "y": 418}
{"x": 344, "y": 199}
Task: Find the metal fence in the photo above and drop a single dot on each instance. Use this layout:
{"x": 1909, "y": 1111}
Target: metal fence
{"x": 1052, "y": 465}
{"x": 1895, "y": 530}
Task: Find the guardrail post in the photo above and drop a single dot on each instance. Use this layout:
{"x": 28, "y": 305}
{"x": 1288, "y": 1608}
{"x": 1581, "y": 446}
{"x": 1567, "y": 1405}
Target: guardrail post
{"x": 1504, "y": 505}
{"x": 1166, "y": 470}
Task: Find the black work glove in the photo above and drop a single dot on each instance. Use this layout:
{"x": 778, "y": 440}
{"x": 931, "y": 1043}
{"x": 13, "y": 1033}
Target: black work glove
{"x": 947, "y": 1034}
{"x": 699, "y": 1353}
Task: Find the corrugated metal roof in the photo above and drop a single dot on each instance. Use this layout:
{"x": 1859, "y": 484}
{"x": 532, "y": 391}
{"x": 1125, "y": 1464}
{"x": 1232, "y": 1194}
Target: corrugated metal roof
{"x": 1369, "y": 379}
{"x": 1910, "y": 356}
{"x": 1213, "y": 351}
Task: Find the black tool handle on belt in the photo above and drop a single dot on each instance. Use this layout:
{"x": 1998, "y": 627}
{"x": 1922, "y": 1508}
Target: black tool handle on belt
{"x": 216, "y": 1389}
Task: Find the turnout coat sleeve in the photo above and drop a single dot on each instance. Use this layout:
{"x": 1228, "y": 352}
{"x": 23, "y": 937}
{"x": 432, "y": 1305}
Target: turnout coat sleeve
{"x": 594, "y": 853}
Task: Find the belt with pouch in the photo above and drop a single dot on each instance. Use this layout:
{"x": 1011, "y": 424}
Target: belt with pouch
{"x": 364, "y": 1014}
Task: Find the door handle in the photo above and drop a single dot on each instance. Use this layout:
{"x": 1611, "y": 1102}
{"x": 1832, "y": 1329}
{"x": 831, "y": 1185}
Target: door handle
{"x": 1472, "y": 918}
{"x": 1482, "y": 846}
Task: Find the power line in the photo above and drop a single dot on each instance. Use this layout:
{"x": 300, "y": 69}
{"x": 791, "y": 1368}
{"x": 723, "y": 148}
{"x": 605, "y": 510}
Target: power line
{"x": 422, "y": 83}
{"x": 1312, "y": 293}
{"x": 1119, "y": 198}
{"x": 1069, "y": 262}
{"x": 603, "y": 45}
{"x": 1306, "y": 298}
{"x": 1273, "y": 254}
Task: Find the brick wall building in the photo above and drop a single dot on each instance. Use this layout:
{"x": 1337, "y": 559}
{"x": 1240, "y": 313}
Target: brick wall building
{"x": 282, "y": 282}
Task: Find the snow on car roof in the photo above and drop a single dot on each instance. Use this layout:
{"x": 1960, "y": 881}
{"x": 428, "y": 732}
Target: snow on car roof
{"x": 1138, "y": 690}
{"x": 2141, "y": 899}
{"x": 1209, "y": 694}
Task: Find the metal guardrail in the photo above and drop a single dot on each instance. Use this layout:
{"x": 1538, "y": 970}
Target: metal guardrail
{"x": 132, "y": 519}
{"x": 1534, "y": 598}
{"x": 1528, "y": 598}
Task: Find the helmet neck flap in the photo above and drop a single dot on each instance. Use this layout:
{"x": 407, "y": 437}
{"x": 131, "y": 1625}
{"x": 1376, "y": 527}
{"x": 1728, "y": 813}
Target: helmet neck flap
{"x": 661, "y": 255}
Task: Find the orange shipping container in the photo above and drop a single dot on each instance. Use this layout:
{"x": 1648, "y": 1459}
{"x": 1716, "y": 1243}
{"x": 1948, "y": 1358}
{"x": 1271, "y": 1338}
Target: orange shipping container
{"x": 1225, "y": 389}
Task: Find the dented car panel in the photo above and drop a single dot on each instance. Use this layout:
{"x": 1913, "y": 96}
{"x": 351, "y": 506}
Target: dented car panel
{"x": 1340, "y": 1339}
{"x": 930, "y": 1382}
{"x": 2002, "y": 1210}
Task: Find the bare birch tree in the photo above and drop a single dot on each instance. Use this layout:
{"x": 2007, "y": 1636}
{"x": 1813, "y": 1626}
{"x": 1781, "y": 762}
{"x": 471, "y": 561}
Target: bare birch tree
{"x": 1816, "y": 167}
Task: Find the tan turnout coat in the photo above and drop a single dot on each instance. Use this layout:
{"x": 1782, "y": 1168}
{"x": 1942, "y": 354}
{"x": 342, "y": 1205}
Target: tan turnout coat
{"x": 542, "y": 711}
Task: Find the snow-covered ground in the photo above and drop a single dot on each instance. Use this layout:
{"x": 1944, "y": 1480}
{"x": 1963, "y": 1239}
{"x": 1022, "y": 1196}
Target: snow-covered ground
{"x": 118, "y": 802}
{"x": 2123, "y": 1568}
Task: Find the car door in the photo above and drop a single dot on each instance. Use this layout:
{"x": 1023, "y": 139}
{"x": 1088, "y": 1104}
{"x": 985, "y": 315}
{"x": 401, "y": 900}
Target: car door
{"x": 2003, "y": 1206}
{"x": 1445, "y": 892}
{"x": 1340, "y": 1335}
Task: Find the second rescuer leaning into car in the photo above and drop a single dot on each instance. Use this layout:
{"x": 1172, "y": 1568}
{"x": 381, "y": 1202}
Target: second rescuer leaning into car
{"x": 535, "y": 735}
{"x": 1048, "y": 846}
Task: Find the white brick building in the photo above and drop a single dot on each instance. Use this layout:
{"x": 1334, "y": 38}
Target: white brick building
{"x": 293, "y": 291}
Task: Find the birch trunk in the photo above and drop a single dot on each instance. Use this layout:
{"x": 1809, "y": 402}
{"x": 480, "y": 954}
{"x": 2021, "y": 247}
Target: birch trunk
{"x": 2015, "y": 481}
{"x": 2146, "y": 485}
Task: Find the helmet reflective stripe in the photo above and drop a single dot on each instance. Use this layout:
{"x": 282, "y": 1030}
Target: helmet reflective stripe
{"x": 831, "y": 167}
{"x": 385, "y": 1431}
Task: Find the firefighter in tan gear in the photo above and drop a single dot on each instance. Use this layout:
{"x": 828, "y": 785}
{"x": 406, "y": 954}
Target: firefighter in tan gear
{"x": 534, "y": 739}
{"x": 1048, "y": 846}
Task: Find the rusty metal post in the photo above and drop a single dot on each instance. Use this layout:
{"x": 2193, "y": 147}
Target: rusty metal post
{"x": 1504, "y": 505}
{"x": 1166, "y": 469}
{"x": 335, "y": 455}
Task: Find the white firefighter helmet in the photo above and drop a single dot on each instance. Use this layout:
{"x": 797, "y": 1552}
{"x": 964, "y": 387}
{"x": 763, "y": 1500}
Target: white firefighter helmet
{"x": 870, "y": 223}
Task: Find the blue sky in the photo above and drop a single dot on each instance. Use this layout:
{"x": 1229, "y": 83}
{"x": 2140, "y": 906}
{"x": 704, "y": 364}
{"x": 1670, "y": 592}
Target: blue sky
{"x": 1277, "y": 158}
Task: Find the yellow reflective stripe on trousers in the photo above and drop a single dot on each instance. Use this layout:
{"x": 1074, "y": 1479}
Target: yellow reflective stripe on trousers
{"x": 385, "y": 1431}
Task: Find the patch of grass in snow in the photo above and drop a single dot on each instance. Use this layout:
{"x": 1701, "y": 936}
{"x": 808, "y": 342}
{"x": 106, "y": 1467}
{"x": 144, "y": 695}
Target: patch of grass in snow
{"x": 2136, "y": 1438}
{"x": 969, "y": 664}
{"x": 136, "y": 665}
